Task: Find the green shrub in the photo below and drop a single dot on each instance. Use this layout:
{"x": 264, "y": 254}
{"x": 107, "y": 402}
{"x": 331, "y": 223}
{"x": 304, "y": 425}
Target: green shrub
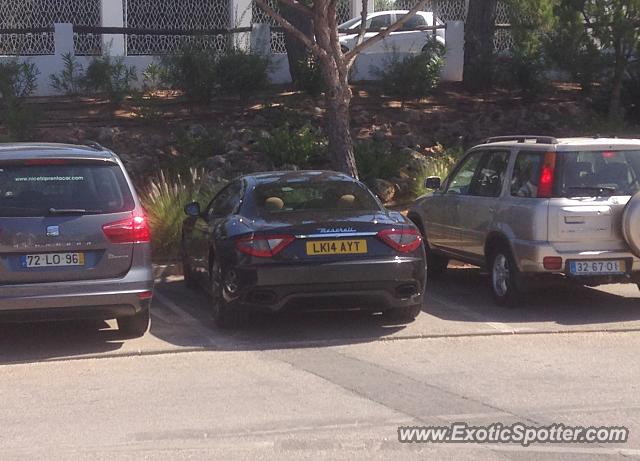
{"x": 146, "y": 107}
{"x": 414, "y": 76}
{"x": 301, "y": 147}
{"x": 240, "y": 73}
{"x": 200, "y": 73}
{"x": 21, "y": 120}
{"x": 524, "y": 71}
{"x": 376, "y": 161}
{"x": 18, "y": 80}
{"x": 164, "y": 199}
{"x": 111, "y": 76}
{"x": 193, "y": 71}
{"x": 439, "y": 164}
{"x": 195, "y": 147}
{"x": 309, "y": 77}
{"x": 70, "y": 79}
{"x": 153, "y": 78}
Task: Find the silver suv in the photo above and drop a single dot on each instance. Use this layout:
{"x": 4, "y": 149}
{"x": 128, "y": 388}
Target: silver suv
{"x": 74, "y": 241}
{"x": 530, "y": 208}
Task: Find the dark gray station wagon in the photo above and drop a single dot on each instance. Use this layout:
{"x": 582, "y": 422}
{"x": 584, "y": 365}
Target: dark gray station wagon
{"x": 74, "y": 241}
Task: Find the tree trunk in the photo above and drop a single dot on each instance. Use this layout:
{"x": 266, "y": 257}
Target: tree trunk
{"x": 338, "y": 93}
{"x": 616, "y": 82}
{"x": 338, "y": 129}
{"x": 478, "y": 44}
{"x": 296, "y": 50}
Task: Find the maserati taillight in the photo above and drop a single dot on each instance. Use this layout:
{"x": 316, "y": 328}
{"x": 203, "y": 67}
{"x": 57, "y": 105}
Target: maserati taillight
{"x": 263, "y": 246}
{"x": 402, "y": 240}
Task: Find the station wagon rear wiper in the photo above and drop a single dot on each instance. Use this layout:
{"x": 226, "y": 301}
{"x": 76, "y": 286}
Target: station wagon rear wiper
{"x": 599, "y": 189}
{"x": 71, "y": 211}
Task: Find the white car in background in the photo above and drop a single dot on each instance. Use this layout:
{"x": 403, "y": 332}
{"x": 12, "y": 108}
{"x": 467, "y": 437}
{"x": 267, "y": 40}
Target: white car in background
{"x": 404, "y": 40}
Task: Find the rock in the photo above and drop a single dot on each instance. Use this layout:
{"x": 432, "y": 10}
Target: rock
{"x": 417, "y": 161}
{"x": 106, "y": 135}
{"x": 248, "y": 137}
{"x": 154, "y": 140}
{"x": 379, "y": 135}
{"x": 542, "y": 116}
{"x": 196, "y": 131}
{"x": 259, "y": 120}
{"x": 403, "y": 186}
{"x": 264, "y": 134}
{"x": 401, "y": 128}
{"x": 234, "y": 145}
{"x": 217, "y": 161}
{"x": 413, "y": 115}
{"x": 385, "y": 190}
{"x": 406, "y": 140}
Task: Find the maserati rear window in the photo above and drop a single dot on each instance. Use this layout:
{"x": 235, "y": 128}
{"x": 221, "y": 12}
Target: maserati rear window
{"x": 313, "y": 197}
{"x": 43, "y": 190}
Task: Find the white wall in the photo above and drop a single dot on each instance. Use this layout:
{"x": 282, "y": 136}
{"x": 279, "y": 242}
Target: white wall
{"x": 279, "y": 71}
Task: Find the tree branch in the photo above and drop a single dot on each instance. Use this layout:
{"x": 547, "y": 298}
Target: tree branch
{"x": 298, "y": 6}
{"x": 313, "y": 47}
{"x": 363, "y": 22}
{"x": 382, "y": 35}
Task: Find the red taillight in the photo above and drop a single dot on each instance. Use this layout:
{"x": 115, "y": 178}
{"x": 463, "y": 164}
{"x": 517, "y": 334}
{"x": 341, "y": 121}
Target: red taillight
{"x": 130, "y": 230}
{"x": 144, "y": 295}
{"x": 552, "y": 263}
{"x": 545, "y": 184}
{"x": 263, "y": 246}
{"x": 402, "y": 240}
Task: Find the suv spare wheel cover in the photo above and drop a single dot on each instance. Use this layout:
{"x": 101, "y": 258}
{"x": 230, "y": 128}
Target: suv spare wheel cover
{"x": 631, "y": 223}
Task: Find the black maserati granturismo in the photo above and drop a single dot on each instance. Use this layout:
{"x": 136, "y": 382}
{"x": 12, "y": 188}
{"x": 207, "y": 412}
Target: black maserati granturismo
{"x": 303, "y": 240}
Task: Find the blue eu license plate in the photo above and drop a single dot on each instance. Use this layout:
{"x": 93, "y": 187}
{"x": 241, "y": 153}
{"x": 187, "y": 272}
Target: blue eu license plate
{"x": 52, "y": 260}
{"x": 598, "y": 267}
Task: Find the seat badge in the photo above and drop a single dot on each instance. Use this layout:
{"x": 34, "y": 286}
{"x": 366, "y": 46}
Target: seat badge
{"x": 53, "y": 231}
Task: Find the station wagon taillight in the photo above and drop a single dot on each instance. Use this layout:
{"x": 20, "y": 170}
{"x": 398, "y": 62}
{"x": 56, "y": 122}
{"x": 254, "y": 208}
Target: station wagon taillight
{"x": 547, "y": 173}
{"x": 402, "y": 240}
{"x": 130, "y": 230}
{"x": 263, "y": 246}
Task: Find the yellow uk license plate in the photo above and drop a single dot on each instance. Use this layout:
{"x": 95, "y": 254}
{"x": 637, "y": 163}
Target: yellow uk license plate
{"x": 336, "y": 247}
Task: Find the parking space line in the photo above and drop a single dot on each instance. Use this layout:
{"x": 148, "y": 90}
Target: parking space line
{"x": 186, "y": 317}
{"x": 502, "y": 327}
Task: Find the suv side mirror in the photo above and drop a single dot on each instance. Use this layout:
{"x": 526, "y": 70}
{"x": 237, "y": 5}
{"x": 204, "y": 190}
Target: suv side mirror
{"x": 432, "y": 182}
{"x": 192, "y": 209}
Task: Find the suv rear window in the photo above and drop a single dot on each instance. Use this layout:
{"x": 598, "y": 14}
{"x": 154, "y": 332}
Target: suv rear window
{"x": 313, "y": 197}
{"x": 592, "y": 173}
{"x": 34, "y": 190}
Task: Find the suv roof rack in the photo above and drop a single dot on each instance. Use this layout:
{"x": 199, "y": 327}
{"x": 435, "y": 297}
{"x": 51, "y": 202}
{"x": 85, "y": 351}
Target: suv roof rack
{"x": 94, "y": 145}
{"x": 522, "y": 139}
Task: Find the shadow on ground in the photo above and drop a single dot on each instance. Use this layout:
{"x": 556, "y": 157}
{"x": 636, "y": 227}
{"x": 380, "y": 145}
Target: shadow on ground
{"x": 462, "y": 294}
{"x": 268, "y": 331}
{"x": 38, "y": 341}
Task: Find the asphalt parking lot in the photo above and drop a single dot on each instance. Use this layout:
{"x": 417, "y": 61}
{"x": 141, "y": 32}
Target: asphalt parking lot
{"x": 325, "y": 385}
{"x": 459, "y": 305}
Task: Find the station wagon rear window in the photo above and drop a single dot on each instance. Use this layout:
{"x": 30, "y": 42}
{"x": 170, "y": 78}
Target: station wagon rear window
{"x": 326, "y": 196}
{"x": 39, "y": 190}
{"x": 596, "y": 173}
